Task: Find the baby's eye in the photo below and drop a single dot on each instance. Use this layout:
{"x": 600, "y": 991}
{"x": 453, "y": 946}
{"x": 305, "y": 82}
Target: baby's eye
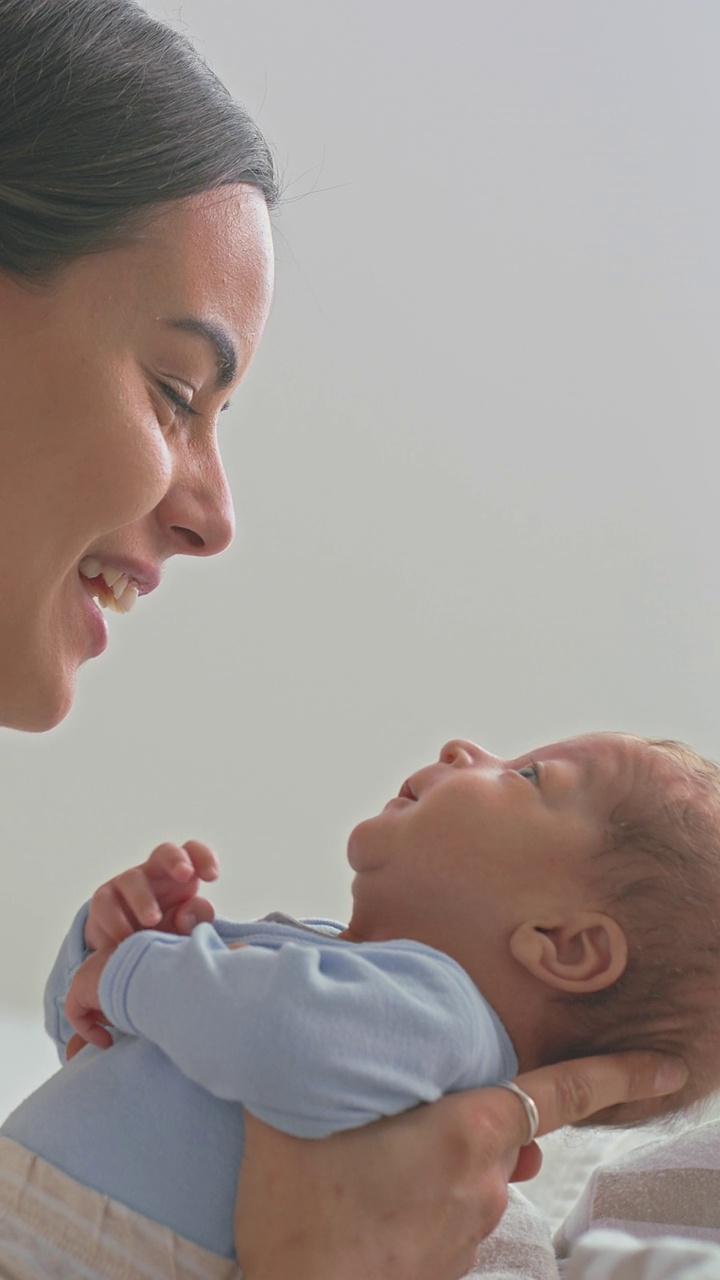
{"x": 528, "y": 771}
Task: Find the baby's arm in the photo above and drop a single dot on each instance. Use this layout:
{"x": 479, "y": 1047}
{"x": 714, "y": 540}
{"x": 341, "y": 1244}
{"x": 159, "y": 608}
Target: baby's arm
{"x": 310, "y": 1037}
{"x": 161, "y": 892}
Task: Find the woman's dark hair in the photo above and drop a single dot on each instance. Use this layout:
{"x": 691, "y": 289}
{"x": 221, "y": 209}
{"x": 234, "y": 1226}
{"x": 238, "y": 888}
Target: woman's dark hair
{"x": 105, "y": 112}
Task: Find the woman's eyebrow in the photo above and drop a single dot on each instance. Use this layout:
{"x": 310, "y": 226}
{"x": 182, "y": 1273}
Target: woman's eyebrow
{"x": 225, "y": 353}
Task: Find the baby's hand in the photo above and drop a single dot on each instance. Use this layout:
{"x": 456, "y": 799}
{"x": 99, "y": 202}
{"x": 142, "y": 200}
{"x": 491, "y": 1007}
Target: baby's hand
{"x": 82, "y": 1007}
{"x": 158, "y": 894}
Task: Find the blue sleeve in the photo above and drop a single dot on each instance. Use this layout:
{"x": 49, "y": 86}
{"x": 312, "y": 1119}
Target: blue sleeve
{"x": 70, "y": 956}
{"x": 309, "y": 1037}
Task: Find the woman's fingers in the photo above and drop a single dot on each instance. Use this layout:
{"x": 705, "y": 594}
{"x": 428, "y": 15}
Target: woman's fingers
{"x": 569, "y": 1092}
{"x": 528, "y": 1163}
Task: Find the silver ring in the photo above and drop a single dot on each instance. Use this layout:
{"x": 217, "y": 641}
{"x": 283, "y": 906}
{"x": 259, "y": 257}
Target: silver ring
{"x": 531, "y": 1110}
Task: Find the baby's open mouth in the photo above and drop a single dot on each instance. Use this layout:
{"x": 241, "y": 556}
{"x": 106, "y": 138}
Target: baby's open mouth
{"x": 407, "y": 792}
{"x": 112, "y": 588}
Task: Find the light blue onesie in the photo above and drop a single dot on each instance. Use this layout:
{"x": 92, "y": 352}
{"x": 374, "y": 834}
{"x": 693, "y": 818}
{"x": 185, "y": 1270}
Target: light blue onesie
{"x": 309, "y": 1032}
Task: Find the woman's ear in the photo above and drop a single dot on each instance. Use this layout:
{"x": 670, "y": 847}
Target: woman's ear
{"x": 585, "y": 953}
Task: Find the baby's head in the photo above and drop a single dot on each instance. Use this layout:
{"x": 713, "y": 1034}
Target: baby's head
{"x": 660, "y": 872}
{"x": 578, "y": 885}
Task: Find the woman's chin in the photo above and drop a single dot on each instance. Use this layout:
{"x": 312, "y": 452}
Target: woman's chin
{"x": 38, "y": 719}
{"x": 50, "y": 718}
{"x": 42, "y": 655}
{"x": 42, "y": 704}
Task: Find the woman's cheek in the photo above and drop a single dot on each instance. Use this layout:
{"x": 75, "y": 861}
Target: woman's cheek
{"x": 133, "y": 467}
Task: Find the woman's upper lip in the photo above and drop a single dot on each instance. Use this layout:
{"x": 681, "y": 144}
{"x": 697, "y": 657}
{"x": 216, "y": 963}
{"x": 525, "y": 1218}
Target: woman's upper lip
{"x": 145, "y": 576}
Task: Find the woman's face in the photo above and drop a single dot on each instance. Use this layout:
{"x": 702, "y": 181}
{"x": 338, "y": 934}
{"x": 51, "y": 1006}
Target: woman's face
{"x": 113, "y": 378}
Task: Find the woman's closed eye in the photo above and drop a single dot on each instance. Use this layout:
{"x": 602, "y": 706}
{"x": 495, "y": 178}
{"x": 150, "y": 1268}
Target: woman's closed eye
{"x": 178, "y": 402}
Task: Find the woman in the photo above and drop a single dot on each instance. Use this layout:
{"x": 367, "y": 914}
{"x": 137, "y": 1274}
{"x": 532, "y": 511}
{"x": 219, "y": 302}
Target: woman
{"x": 135, "y": 281}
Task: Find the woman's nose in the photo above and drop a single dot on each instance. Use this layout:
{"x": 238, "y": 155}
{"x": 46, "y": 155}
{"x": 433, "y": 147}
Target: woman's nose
{"x": 197, "y": 511}
{"x": 462, "y": 752}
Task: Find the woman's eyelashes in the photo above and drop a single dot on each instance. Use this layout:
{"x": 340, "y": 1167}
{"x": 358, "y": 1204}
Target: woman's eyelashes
{"x": 178, "y": 402}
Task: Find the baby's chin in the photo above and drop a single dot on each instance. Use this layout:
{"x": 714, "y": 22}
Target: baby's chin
{"x": 366, "y": 850}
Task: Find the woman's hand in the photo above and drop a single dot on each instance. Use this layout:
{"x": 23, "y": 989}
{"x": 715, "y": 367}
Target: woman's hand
{"x": 411, "y": 1198}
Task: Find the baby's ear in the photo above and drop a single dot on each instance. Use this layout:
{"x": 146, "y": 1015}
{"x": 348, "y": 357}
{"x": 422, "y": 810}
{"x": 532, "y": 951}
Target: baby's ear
{"x": 586, "y": 952}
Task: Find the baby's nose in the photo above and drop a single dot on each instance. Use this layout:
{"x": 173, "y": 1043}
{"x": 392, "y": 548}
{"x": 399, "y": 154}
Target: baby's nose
{"x": 462, "y": 752}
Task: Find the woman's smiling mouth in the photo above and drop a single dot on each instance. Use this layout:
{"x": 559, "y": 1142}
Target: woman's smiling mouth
{"x": 114, "y": 587}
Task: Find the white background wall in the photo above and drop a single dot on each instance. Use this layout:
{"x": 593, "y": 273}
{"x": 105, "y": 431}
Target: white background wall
{"x": 475, "y": 463}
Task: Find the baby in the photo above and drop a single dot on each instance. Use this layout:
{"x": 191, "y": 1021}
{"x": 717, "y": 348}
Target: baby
{"x": 506, "y": 914}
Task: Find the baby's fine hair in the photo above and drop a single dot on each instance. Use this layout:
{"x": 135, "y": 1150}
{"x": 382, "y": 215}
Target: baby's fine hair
{"x": 659, "y": 872}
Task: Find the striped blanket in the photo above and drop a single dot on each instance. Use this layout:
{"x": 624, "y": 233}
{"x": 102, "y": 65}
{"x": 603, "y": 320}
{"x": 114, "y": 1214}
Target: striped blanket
{"x": 53, "y": 1228}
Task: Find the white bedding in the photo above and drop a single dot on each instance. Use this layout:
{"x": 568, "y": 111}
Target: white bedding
{"x": 569, "y": 1159}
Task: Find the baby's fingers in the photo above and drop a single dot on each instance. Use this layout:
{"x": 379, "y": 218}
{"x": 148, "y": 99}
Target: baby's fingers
{"x": 135, "y": 897}
{"x": 182, "y": 862}
{"x": 92, "y": 1033}
{"x": 188, "y": 914}
{"x": 82, "y": 1006}
{"x": 203, "y": 859}
{"x": 117, "y": 909}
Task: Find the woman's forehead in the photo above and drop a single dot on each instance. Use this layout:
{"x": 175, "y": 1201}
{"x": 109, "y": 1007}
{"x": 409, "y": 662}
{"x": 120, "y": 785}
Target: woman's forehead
{"x": 204, "y": 261}
{"x": 217, "y": 244}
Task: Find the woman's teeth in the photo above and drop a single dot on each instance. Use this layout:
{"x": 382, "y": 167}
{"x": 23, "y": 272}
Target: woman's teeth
{"x": 112, "y": 588}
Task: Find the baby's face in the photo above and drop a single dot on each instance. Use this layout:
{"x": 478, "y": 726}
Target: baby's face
{"x": 476, "y": 842}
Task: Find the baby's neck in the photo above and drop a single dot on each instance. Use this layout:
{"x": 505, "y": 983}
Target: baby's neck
{"x": 531, "y": 1012}
{"x": 537, "y": 1025}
